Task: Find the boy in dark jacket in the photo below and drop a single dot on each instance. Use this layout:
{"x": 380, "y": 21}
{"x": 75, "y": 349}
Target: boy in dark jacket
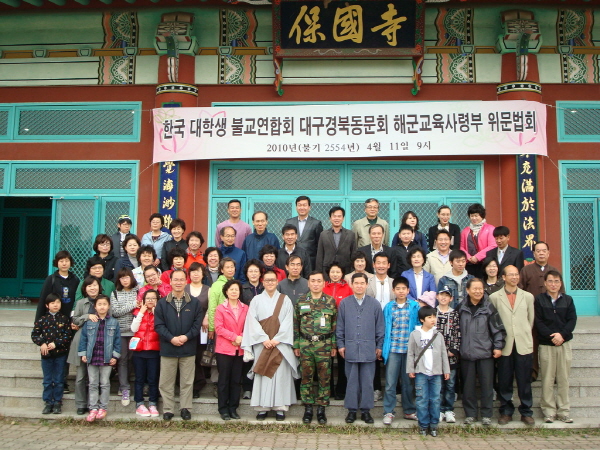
{"x": 52, "y": 332}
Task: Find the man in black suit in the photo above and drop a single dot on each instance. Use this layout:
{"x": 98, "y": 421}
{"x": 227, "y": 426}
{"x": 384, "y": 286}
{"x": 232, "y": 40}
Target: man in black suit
{"x": 309, "y": 228}
{"x": 504, "y": 254}
{"x": 336, "y": 244}
{"x": 376, "y": 234}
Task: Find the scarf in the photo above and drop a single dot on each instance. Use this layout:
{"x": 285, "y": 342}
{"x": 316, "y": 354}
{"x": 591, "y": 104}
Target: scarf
{"x": 476, "y": 228}
{"x": 440, "y": 227}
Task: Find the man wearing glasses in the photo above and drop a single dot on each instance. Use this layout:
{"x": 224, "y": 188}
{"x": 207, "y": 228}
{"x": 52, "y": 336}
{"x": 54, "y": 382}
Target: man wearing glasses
{"x": 361, "y": 227}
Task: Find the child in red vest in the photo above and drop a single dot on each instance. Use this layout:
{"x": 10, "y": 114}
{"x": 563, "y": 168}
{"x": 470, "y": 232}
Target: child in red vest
{"x": 146, "y": 357}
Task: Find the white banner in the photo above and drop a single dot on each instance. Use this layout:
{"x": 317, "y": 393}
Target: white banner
{"x": 351, "y": 130}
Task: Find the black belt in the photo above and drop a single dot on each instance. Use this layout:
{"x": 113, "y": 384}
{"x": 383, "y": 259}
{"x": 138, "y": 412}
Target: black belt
{"x": 320, "y": 337}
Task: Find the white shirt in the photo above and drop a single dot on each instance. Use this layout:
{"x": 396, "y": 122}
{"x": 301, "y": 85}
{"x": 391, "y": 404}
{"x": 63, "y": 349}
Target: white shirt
{"x": 428, "y": 356}
{"x": 419, "y": 282}
{"x": 382, "y": 293}
{"x": 301, "y": 225}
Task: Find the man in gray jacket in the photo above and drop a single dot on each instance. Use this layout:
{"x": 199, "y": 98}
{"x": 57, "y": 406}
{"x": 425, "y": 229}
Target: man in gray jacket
{"x": 359, "y": 332}
{"x": 482, "y": 341}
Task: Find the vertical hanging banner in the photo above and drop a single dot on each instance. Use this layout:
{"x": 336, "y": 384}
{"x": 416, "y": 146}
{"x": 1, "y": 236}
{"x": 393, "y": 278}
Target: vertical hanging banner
{"x": 168, "y": 179}
{"x": 528, "y": 216}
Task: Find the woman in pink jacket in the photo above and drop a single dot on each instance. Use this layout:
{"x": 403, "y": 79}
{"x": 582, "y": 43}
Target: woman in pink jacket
{"x": 229, "y": 326}
{"x": 476, "y": 239}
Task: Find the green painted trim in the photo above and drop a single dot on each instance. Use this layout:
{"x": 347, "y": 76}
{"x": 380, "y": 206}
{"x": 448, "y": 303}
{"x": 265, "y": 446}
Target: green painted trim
{"x": 15, "y": 109}
{"x": 566, "y": 107}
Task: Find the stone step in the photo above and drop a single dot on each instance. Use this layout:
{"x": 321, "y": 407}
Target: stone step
{"x": 585, "y": 368}
{"x": 207, "y": 405}
{"x": 16, "y": 328}
{"x": 20, "y": 360}
{"x": 338, "y": 421}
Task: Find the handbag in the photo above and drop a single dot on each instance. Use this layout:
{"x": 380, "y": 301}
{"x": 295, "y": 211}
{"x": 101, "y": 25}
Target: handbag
{"x": 209, "y": 359}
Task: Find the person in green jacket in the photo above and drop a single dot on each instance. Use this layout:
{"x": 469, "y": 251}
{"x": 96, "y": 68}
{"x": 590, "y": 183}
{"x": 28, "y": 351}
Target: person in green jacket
{"x": 215, "y": 294}
{"x": 95, "y": 267}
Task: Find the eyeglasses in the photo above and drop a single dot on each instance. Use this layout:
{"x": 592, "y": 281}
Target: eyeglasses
{"x": 229, "y": 235}
{"x": 270, "y": 280}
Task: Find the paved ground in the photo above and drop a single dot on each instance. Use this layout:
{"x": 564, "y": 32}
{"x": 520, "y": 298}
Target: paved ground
{"x": 28, "y": 436}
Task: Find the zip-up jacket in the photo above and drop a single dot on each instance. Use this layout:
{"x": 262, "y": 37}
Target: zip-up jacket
{"x": 169, "y": 323}
{"x": 558, "y": 318}
{"x": 481, "y": 333}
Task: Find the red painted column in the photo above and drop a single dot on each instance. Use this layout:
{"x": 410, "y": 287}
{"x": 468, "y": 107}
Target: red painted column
{"x": 512, "y": 89}
{"x": 184, "y": 93}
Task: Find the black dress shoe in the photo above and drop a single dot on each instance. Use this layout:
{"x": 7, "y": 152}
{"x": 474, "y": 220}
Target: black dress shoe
{"x": 366, "y": 417}
{"x": 339, "y": 397}
{"x": 225, "y": 416}
{"x": 351, "y": 417}
{"x": 185, "y": 414}
{"x": 57, "y": 408}
{"x": 196, "y": 393}
{"x": 280, "y": 416}
{"x": 308, "y": 414}
{"x": 47, "y": 409}
{"x": 262, "y": 415}
{"x": 234, "y": 415}
{"x": 321, "y": 417}
{"x": 168, "y": 416}
{"x": 82, "y": 411}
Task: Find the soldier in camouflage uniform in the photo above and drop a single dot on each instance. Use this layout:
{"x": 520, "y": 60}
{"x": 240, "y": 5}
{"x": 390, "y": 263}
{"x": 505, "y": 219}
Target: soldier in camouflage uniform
{"x": 314, "y": 342}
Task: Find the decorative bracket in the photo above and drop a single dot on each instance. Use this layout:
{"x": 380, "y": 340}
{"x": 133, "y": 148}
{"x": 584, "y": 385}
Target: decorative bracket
{"x": 278, "y": 67}
{"x": 417, "y": 63}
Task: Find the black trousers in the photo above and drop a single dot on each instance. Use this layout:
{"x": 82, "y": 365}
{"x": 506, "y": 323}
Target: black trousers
{"x": 377, "y": 378}
{"x": 229, "y": 384}
{"x": 342, "y": 381}
{"x": 511, "y": 367}
{"x": 484, "y": 370}
{"x": 200, "y": 374}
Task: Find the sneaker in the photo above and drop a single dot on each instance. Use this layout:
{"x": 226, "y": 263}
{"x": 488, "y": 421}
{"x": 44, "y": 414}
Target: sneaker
{"x": 142, "y": 411}
{"x": 47, "y": 409}
{"x": 549, "y": 419}
{"x": 66, "y": 389}
{"x": 247, "y": 395}
{"x": 101, "y": 414}
{"x": 486, "y": 421}
{"x": 377, "y": 395}
{"x": 388, "y": 419}
{"x": 412, "y": 416}
{"x": 450, "y": 417}
{"x": 565, "y": 419}
{"x": 125, "y": 397}
{"x": 423, "y": 431}
{"x": 469, "y": 421}
{"x": 442, "y": 417}
{"x": 153, "y": 411}
{"x": 92, "y": 415}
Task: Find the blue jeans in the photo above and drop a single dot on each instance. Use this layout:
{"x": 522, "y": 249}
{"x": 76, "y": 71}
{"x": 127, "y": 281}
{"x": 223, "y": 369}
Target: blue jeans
{"x": 428, "y": 388}
{"x": 99, "y": 386}
{"x": 394, "y": 369}
{"x": 53, "y": 368}
{"x": 449, "y": 392}
{"x": 147, "y": 370}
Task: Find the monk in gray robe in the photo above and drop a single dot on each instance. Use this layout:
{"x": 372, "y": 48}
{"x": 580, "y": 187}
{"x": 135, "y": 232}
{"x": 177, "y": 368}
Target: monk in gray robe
{"x": 269, "y": 337}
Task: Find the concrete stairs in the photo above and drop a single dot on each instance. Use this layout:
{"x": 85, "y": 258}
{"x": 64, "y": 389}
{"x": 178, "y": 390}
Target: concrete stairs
{"x": 21, "y": 383}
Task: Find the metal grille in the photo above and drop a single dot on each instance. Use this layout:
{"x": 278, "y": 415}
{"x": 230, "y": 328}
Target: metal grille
{"x": 278, "y": 179}
{"x": 1, "y": 178}
{"x": 426, "y": 212}
{"x": 357, "y": 211}
{"x": 112, "y": 212}
{"x": 278, "y": 213}
{"x": 37, "y": 247}
{"x": 3, "y": 123}
{"x": 412, "y": 179}
{"x": 459, "y": 214}
{"x": 582, "y": 251}
{"x": 10, "y": 247}
{"x": 583, "y": 179}
{"x": 320, "y": 211}
{"x": 75, "y": 122}
{"x": 76, "y": 230}
{"x": 584, "y": 122}
{"x": 77, "y": 178}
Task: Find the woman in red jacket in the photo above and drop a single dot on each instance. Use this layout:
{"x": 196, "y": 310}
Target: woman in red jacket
{"x": 337, "y": 287}
{"x": 146, "y": 355}
{"x": 229, "y": 326}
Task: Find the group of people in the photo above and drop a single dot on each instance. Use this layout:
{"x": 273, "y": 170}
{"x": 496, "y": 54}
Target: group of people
{"x": 437, "y": 312}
